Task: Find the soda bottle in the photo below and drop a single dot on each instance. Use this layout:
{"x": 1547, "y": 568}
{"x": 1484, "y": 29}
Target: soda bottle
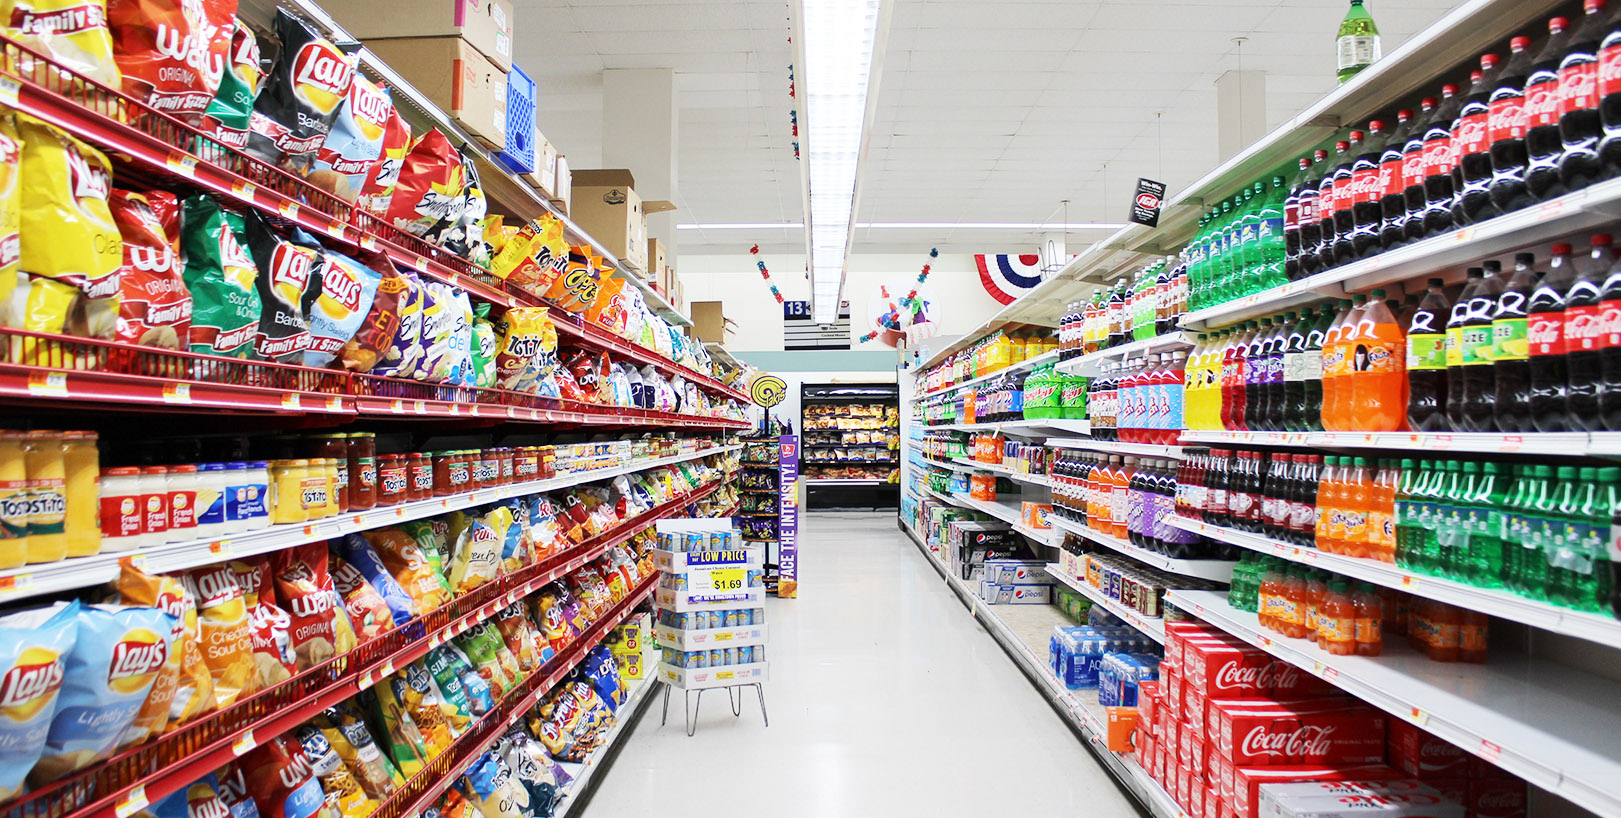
{"x": 1336, "y": 180}
{"x": 1291, "y": 220}
{"x": 1331, "y": 501}
{"x": 1543, "y": 144}
{"x": 1506, "y": 125}
{"x": 1426, "y": 362}
{"x": 1364, "y": 217}
{"x": 1316, "y": 594}
{"x": 1231, "y": 369}
{"x": 1557, "y": 539}
{"x": 1454, "y": 347}
{"x": 1358, "y": 43}
{"x": 1311, "y": 216}
{"x": 1606, "y": 498}
{"x": 1584, "y": 334}
{"x": 1246, "y": 229}
{"x": 1609, "y": 90}
{"x": 1345, "y": 197}
{"x": 1268, "y": 265}
{"x": 1579, "y": 124}
{"x": 1277, "y": 398}
{"x": 1392, "y": 184}
{"x": 1338, "y": 368}
{"x": 1413, "y": 169}
{"x": 1316, "y": 342}
{"x": 1438, "y": 162}
{"x": 1472, "y": 628}
{"x": 1336, "y": 619}
{"x": 1511, "y": 370}
{"x": 1409, "y": 513}
{"x": 1541, "y": 502}
{"x": 1455, "y": 547}
{"x": 1294, "y": 591}
{"x": 1377, "y": 364}
{"x": 1293, "y": 415}
{"x": 1255, "y": 366}
{"x": 1303, "y": 501}
{"x": 1369, "y": 620}
{"x": 1479, "y": 388}
{"x": 1356, "y": 494}
{"x": 1545, "y": 330}
{"x": 1484, "y": 555}
{"x": 1472, "y": 176}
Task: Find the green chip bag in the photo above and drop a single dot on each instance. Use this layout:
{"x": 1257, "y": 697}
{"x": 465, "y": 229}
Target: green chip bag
{"x": 231, "y": 110}
{"x": 482, "y": 648}
{"x": 402, "y": 739}
{"x": 220, "y": 275}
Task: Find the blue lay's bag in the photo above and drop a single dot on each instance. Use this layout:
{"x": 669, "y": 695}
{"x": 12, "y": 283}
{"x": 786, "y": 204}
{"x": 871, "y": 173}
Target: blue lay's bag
{"x": 358, "y": 552}
{"x": 34, "y": 646}
{"x": 199, "y": 799}
{"x": 116, "y": 657}
{"x": 281, "y": 780}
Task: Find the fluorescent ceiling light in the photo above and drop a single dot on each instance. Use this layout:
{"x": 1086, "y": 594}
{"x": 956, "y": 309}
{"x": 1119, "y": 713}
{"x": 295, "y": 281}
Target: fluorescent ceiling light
{"x": 910, "y": 226}
{"x": 743, "y": 226}
{"x": 839, "y": 39}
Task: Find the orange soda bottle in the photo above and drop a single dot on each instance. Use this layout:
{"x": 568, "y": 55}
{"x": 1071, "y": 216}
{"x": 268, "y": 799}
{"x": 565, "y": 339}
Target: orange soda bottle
{"x": 1379, "y": 369}
{"x": 1444, "y": 626}
{"x": 1472, "y": 636}
{"x": 1266, "y": 597}
{"x": 1316, "y": 589}
{"x": 1327, "y": 491}
{"x": 1358, "y": 488}
{"x": 1294, "y": 593}
{"x": 1369, "y": 620}
{"x": 1336, "y": 620}
{"x": 1336, "y": 366}
{"x": 1382, "y": 513}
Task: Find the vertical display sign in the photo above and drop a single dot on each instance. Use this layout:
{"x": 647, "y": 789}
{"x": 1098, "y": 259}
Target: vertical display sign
{"x": 788, "y": 517}
{"x": 1145, "y": 205}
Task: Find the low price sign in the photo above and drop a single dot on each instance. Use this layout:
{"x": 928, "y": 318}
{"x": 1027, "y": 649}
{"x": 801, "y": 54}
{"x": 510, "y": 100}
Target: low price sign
{"x": 717, "y": 584}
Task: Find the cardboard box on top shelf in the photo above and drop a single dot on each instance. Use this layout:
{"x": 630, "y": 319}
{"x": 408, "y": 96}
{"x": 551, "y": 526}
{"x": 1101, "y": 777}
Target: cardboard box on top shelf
{"x": 709, "y": 322}
{"x": 544, "y": 176}
{"x": 667, "y": 279}
{"x": 485, "y": 24}
{"x": 455, "y": 77}
{"x": 606, "y": 206}
{"x": 563, "y": 190}
{"x": 656, "y": 263}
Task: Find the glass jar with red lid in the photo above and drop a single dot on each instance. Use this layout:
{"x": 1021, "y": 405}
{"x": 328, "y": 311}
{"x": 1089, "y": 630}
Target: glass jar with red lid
{"x": 391, "y": 480}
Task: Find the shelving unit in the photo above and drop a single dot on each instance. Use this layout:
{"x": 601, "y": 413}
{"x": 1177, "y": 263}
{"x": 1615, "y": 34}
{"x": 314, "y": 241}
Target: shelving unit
{"x": 1117, "y": 447}
{"x": 1022, "y": 366}
{"x": 1218, "y": 570}
{"x": 1091, "y": 364}
{"x": 1153, "y": 627}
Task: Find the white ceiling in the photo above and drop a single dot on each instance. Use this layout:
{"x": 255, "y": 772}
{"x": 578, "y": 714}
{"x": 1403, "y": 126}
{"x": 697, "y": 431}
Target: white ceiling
{"x": 989, "y": 110}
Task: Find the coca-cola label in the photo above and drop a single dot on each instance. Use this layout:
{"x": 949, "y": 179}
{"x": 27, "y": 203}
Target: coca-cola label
{"x": 1609, "y": 67}
{"x": 1326, "y": 201}
{"x": 1365, "y": 185}
{"x": 1343, "y": 195}
{"x": 1546, "y": 333}
{"x": 1437, "y": 156}
{"x": 1578, "y": 86}
{"x": 1310, "y": 199}
{"x": 1412, "y": 167}
{"x": 1392, "y": 181}
{"x": 1471, "y": 134}
{"x": 1542, "y": 102}
{"x": 1583, "y": 327}
{"x": 1610, "y": 324}
{"x": 1506, "y": 118}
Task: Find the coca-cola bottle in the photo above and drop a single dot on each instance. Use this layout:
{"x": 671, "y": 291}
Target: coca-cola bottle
{"x": 1412, "y": 175}
{"x": 1543, "y": 145}
{"x": 1345, "y": 190}
{"x": 1511, "y": 368}
{"x": 1609, "y": 398}
{"x": 1579, "y": 123}
{"x": 1366, "y": 216}
{"x": 1545, "y": 330}
{"x": 1505, "y": 128}
{"x": 1479, "y": 387}
{"x": 1609, "y": 100}
{"x": 1311, "y": 214}
{"x": 1291, "y": 221}
{"x": 1472, "y": 176}
{"x": 1438, "y": 156}
{"x": 1392, "y": 184}
{"x": 1328, "y": 201}
{"x": 1584, "y": 332}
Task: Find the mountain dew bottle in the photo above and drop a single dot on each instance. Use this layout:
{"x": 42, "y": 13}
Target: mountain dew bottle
{"x": 1073, "y": 397}
{"x": 1042, "y": 394}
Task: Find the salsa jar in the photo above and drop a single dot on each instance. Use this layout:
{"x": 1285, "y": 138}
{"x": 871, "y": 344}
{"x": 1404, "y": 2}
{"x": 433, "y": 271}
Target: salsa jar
{"x": 419, "y": 476}
{"x": 361, "y": 452}
{"x": 392, "y": 482}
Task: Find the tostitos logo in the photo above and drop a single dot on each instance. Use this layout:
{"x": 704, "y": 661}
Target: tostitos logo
{"x": 30, "y": 686}
{"x": 321, "y": 75}
{"x": 136, "y": 657}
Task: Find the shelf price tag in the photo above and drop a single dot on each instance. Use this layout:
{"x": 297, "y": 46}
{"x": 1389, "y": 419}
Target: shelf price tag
{"x": 291, "y": 401}
{"x": 48, "y": 384}
{"x": 181, "y": 163}
{"x": 132, "y": 803}
{"x": 9, "y": 89}
{"x": 1490, "y": 751}
{"x": 177, "y": 393}
{"x": 419, "y": 263}
{"x": 1418, "y": 717}
{"x": 368, "y": 242}
{"x": 289, "y": 209}
{"x": 244, "y": 190}
{"x": 244, "y": 743}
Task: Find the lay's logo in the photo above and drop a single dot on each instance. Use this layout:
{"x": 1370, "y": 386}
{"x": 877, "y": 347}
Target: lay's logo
{"x": 135, "y": 658}
{"x": 310, "y": 605}
{"x": 30, "y": 686}
{"x": 149, "y": 259}
{"x": 216, "y": 586}
{"x": 89, "y": 178}
{"x": 370, "y": 106}
{"x": 290, "y": 271}
{"x": 341, "y": 288}
{"x": 322, "y": 74}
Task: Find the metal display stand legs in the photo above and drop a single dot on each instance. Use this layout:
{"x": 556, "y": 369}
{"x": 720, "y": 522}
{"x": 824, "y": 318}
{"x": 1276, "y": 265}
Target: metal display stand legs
{"x": 734, "y": 694}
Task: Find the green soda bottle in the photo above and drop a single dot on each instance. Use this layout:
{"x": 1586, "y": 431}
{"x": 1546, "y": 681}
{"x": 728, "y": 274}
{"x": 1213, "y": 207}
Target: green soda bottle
{"x": 1405, "y": 512}
{"x": 1485, "y": 551}
{"x": 1249, "y": 274}
{"x": 1073, "y": 397}
{"x": 1542, "y": 510}
{"x": 1606, "y": 498}
{"x": 1428, "y": 556}
{"x": 1455, "y": 565}
{"x": 1357, "y": 45}
{"x": 1041, "y": 394}
{"x": 1585, "y": 527}
{"x": 1562, "y": 536}
{"x": 1516, "y": 527}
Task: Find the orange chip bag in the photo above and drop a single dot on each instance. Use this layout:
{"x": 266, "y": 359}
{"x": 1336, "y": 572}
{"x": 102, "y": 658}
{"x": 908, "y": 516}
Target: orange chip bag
{"x": 577, "y": 288}
{"x": 304, "y": 585}
{"x": 533, "y": 257}
{"x": 155, "y": 306}
{"x": 410, "y": 567}
{"x": 185, "y": 688}
{"x": 368, "y": 612}
{"x": 607, "y": 309}
{"x": 273, "y": 660}
{"x": 225, "y": 632}
{"x": 71, "y": 32}
{"x": 168, "y": 50}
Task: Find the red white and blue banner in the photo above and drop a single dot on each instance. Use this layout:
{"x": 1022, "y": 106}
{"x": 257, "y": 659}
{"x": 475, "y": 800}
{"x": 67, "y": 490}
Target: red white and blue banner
{"x": 1006, "y": 277}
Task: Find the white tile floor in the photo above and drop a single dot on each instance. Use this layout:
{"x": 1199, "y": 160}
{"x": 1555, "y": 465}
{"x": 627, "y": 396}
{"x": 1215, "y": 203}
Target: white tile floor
{"x": 886, "y": 698}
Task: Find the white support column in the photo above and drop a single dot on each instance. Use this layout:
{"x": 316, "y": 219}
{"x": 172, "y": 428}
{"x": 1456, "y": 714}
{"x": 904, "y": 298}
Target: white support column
{"x": 1240, "y": 111}
{"x": 640, "y": 121}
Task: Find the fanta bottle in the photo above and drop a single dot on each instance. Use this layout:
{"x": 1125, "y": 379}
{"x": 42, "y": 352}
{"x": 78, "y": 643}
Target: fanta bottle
{"x": 1294, "y": 592}
{"x": 1327, "y": 502}
{"x": 1382, "y": 513}
{"x": 1377, "y": 359}
{"x": 1336, "y": 388}
{"x": 1369, "y": 620}
{"x": 1336, "y": 620}
{"x": 1358, "y": 487}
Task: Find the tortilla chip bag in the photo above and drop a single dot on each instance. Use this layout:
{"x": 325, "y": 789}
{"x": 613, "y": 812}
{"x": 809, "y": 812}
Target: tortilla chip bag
{"x": 579, "y": 285}
{"x": 187, "y": 688}
{"x": 533, "y": 257}
{"x": 526, "y": 338}
{"x": 608, "y": 308}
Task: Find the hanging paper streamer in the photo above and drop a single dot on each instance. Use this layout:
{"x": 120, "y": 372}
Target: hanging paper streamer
{"x": 766, "y": 274}
{"x": 891, "y": 320}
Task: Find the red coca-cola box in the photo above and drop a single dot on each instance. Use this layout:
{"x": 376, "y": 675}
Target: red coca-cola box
{"x": 1176, "y": 633}
{"x": 1314, "y": 731}
{"x": 1303, "y": 800}
{"x": 1225, "y": 671}
{"x": 1193, "y": 753}
{"x": 1291, "y": 682}
{"x": 1485, "y": 797}
{"x": 1148, "y": 702}
{"x": 1180, "y": 793}
{"x": 1189, "y": 641}
{"x": 1214, "y": 804}
{"x": 1171, "y": 735}
{"x": 1195, "y": 712}
{"x": 1196, "y": 787}
{"x": 1147, "y": 748}
{"x": 1245, "y": 799}
{"x": 1170, "y": 682}
{"x": 1220, "y": 774}
{"x": 1417, "y": 752}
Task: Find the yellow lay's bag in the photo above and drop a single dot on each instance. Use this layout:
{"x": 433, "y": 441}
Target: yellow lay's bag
{"x": 71, "y": 32}
{"x": 11, "y": 157}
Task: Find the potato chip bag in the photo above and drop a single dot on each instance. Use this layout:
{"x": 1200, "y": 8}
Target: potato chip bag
{"x": 233, "y": 792}
{"x": 281, "y": 780}
{"x": 186, "y": 688}
{"x": 462, "y": 371}
{"x": 199, "y": 799}
{"x": 458, "y": 683}
{"x": 434, "y": 536}
{"x": 421, "y": 699}
{"x": 526, "y": 337}
{"x": 220, "y": 277}
{"x": 577, "y": 288}
{"x": 305, "y": 587}
{"x": 485, "y": 346}
{"x": 377, "y": 192}
{"x": 229, "y": 113}
{"x": 439, "y": 319}
{"x": 449, "y": 695}
{"x": 515, "y": 632}
{"x": 479, "y": 646}
{"x": 117, "y": 655}
{"x": 344, "y": 796}
{"x": 603, "y": 672}
{"x": 495, "y": 792}
{"x": 288, "y": 287}
{"x": 70, "y": 251}
{"x": 154, "y": 307}
{"x": 477, "y": 557}
{"x": 404, "y": 351}
{"x": 73, "y": 33}
{"x": 355, "y": 142}
{"x": 428, "y": 199}
{"x": 368, "y": 613}
{"x": 34, "y": 649}
{"x": 273, "y": 658}
{"x": 465, "y": 238}
{"x": 347, "y": 289}
{"x": 224, "y": 632}
{"x": 11, "y": 152}
{"x": 409, "y": 566}
{"x": 377, "y": 330}
{"x": 168, "y": 52}
{"x": 345, "y": 729}
{"x": 301, "y": 96}
{"x": 402, "y": 739}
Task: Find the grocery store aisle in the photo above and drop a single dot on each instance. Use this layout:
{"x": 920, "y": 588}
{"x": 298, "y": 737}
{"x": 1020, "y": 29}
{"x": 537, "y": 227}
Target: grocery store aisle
{"x": 886, "y": 698}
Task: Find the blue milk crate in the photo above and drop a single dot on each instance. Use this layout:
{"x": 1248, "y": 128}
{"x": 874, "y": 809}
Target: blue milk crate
{"x": 522, "y": 136}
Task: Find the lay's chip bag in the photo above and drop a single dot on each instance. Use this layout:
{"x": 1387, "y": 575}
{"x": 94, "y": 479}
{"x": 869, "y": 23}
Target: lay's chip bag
{"x": 301, "y": 97}
{"x": 34, "y": 646}
{"x": 382, "y": 322}
{"x": 11, "y": 155}
{"x": 281, "y": 779}
{"x": 186, "y": 688}
{"x": 347, "y": 290}
{"x": 171, "y": 52}
{"x": 228, "y": 115}
{"x": 199, "y": 799}
{"x": 221, "y": 279}
{"x": 377, "y": 192}
{"x": 70, "y": 250}
{"x": 226, "y": 633}
{"x": 73, "y": 33}
{"x": 355, "y": 142}
{"x": 288, "y": 287}
{"x": 154, "y": 307}
{"x": 119, "y": 653}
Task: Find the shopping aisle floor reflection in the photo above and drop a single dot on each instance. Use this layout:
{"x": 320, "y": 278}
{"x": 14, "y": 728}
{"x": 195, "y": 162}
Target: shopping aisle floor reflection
{"x": 886, "y": 698}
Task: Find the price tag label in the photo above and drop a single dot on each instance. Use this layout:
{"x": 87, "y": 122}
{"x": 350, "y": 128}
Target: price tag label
{"x": 291, "y": 400}
{"x": 368, "y": 242}
{"x": 718, "y": 581}
{"x": 9, "y": 89}
{"x": 289, "y": 209}
{"x": 244, "y": 190}
{"x": 221, "y": 548}
{"x": 177, "y": 393}
{"x": 1512, "y": 443}
{"x": 419, "y": 263}
{"x": 1490, "y": 751}
{"x": 1464, "y": 236}
{"x": 133, "y": 802}
{"x": 365, "y": 681}
{"x": 15, "y": 582}
{"x": 397, "y": 407}
{"x": 421, "y": 407}
{"x": 1418, "y": 717}
{"x": 48, "y": 384}
{"x": 244, "y": 743}
{"x": 1553, "y": 208}
{"x": 182, "y": 164}
{"x": 334, "y": 404}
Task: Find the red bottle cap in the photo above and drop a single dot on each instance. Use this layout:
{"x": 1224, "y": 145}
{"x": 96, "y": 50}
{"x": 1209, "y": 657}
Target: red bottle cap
{"x": 1602, "y": 240}
{"x": 1449, "y": 90}
{"x": 1342, "y": 146}
{"x": 1357, "y": 136}
{"x": 1487, "y": 61}
{"x": 1591, "y": 6}
{"x": 1558, "y": 24}
{"x": 1377, "y": 125}
{"x": 1427, "y": 103}
{"x": 1561, "y": 249}
{"x": 1519, "y": 43}
{"x": 1320, "y": 155}
{"x": 1474, "y": 76}
{"x": 1305, "y": 163}
{"x": 1404, "y": 114}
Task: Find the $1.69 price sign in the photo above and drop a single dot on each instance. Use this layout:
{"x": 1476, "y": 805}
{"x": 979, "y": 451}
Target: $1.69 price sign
{"x": 717, "y": 581}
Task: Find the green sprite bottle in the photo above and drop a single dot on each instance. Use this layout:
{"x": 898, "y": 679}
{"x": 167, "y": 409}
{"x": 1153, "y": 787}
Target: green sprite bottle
{"x": 1357, "y": 46}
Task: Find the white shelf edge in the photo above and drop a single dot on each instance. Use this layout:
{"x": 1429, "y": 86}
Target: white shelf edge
{"x": 1018, "y": 428}
{"x": 1152, "y": 627}
{"x": 1135, "y": 449}
{"x": 1088, "y": 364}
{"x": 969, "y": 464}
{"x": 1217, "y": 570}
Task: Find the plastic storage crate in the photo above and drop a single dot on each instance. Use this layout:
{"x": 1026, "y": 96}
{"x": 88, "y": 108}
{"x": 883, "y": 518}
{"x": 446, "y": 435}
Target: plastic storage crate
{"x": 522, "y": 136}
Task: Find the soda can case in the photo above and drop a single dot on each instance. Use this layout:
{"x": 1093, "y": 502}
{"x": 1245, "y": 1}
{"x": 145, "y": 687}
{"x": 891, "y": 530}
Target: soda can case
{"x": 1262, "y": 733}
{"x": 1243, "y": 784}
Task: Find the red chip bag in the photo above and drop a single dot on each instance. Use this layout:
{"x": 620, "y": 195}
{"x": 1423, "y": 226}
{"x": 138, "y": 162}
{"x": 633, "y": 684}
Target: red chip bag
{"x": 305, "y": 588}
{"x": 171, "y": 52}
{"x": 367, "y": 611}
{"x": 377, "y": 332}
{"x": 273, "y": 661}
{"x": 429, "y": 194}
{"x": 155, "y": 309}
{"x": 377, "y": 192}
{"x": 281, "y": 780}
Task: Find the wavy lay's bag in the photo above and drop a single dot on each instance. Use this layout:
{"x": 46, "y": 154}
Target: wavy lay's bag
{"x": 171, "y": 52}
{"x": 73, "y": 33}
{"x": 119, "y": 653}
{"x": 233, "y": 790}
{"x": 185, "y": 688}
{"x": 429, "y": 197}
{"x": 347, "y": 290}
{"x": 288, "y": 287}
{"x": 345, "y": 798}
{"x": 355, "y": 143}
{"x": 70, "y": 250}
{"x": 221, "y": 279}
{"x": 305, "y": 587}
{"x": 226, "y": 633}
{"x": 11, "y": 154}
{"x": 377, "y": 192}
{"x": 154, "y": 307}
{"x": 199, "y": 799}
{"x": 301, "y": 97}
{"x": 281, "y": 780}
{"x": 34, "y": 647}
{"x": 228, "y": 115}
